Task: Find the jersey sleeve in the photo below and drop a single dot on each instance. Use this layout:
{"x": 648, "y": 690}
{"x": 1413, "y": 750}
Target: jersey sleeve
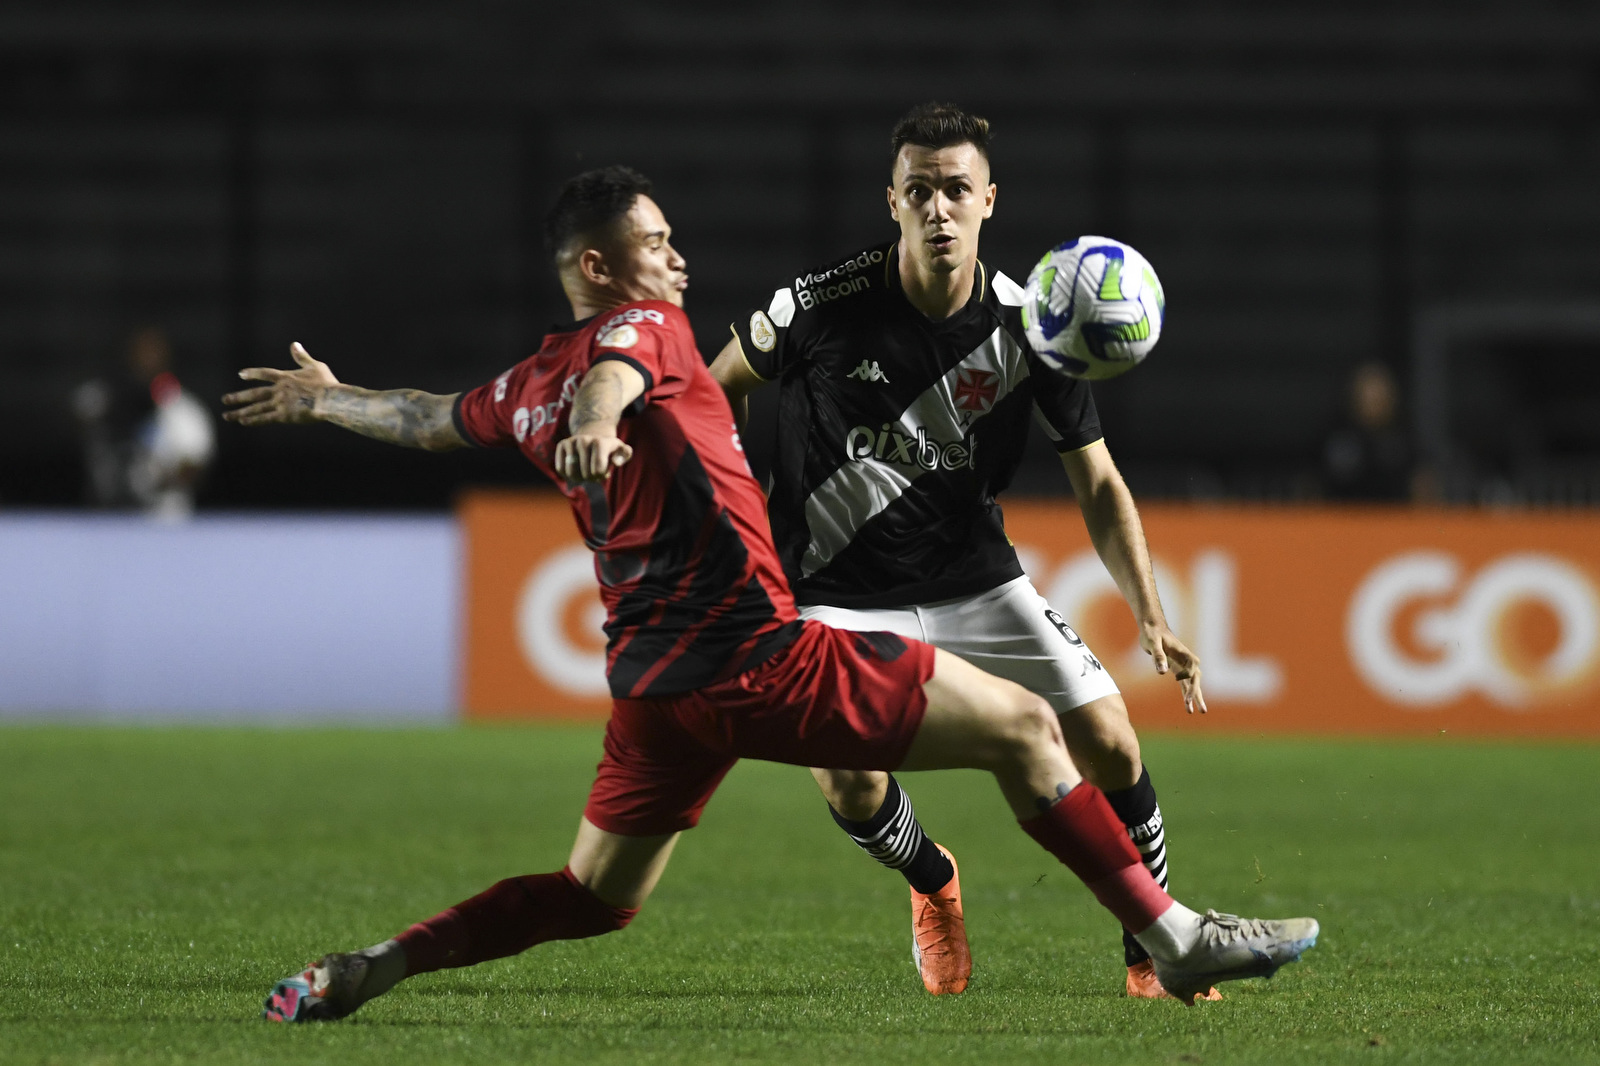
{"x": 1064, "y": 408}
{"x": 772, "y": 339}
{"x": 653, "y": 338}
{"x": 482, "y": 416}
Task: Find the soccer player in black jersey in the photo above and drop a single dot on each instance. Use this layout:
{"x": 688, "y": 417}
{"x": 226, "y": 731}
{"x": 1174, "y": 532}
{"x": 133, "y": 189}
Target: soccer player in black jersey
{"x": 906, "y": 386}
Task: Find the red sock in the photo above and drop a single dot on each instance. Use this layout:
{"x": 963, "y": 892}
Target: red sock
{"x": 509, "y": 917}
{"x": 1084, "y": 833}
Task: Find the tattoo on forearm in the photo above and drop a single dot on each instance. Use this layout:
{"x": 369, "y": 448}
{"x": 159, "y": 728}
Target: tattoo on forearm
{"x": 600, "y": 400}
{"x": 408, "y": 417}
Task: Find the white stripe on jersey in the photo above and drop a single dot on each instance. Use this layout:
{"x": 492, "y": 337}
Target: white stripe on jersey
{"x": 781, "y": 310}
{"x": 1008, "y": 291}
{"x": 861, "y": 488}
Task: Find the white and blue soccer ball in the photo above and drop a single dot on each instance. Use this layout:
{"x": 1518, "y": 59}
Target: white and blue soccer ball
{"x": 1093, "y": 308}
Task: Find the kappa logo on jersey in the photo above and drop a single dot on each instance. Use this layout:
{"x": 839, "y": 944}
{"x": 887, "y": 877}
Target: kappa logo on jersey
{"x": 500, "y": 386}
{"x": 762, "y": 333}
{"x": 892, "y": 446}
{"x": 976, "y": 390}
{"x": 528, "y": 420}
{"x": 868, "y": 371}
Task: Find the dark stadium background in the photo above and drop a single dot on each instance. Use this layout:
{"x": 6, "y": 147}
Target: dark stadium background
{"x": 368, "y": 179}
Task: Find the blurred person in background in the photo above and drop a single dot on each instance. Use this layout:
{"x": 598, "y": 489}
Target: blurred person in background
{"x": 146, "y": 441}
{"x": 1368, "y": 456}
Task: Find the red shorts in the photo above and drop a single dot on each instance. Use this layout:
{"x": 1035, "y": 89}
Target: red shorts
{"x": 833, "y": 698}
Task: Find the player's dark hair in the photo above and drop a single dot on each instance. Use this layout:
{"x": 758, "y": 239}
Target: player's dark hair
{"x": 936, "y": 125}
{"x": 589, "y": 203}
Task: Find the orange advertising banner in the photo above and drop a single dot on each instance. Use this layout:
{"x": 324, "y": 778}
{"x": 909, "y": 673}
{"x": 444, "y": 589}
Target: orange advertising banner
{"x": 1308, "y": 620}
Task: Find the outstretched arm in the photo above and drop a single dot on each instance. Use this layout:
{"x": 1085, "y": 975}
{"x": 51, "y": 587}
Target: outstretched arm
{"x": 408, "y": 417}
{"x": 593, "y": 449}
{"x": 1118, "y": 535}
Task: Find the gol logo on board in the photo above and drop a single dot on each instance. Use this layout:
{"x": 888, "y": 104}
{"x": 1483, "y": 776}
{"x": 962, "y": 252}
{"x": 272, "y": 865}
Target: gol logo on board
{"x": 1469, "y": 645}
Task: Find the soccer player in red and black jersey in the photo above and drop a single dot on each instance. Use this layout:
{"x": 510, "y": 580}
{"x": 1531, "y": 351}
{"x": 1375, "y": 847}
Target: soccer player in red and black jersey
{"x": 708, "y": 660}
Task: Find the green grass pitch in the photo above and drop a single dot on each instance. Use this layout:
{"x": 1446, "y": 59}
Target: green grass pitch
{"x": 154, "y": 882}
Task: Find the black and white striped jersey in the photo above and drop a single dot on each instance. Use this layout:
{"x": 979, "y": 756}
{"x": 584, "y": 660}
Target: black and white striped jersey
{"x": 895, "y": 433}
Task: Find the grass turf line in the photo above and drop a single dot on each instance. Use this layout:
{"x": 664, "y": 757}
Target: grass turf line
{"x": 154, "y": 882}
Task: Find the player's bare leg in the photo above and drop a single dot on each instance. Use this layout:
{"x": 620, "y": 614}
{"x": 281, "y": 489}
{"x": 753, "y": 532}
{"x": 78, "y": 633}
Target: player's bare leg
{"x": 1102, "y": 743}
{"x": 979, "y": 721}
{"x": 870, "y": 806}
{"x": 607, "y": 879}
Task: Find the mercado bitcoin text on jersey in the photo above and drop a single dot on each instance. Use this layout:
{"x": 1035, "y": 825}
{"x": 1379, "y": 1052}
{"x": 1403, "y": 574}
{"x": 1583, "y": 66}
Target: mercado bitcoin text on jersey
{"x": 692, "y": 589}
{"x": 896, "y": 432}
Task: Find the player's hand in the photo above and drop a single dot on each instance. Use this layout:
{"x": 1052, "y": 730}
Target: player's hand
{"x": 590, "y": 456}
{"x": 1170, "y": 653}
{"x": 290, "y": 396}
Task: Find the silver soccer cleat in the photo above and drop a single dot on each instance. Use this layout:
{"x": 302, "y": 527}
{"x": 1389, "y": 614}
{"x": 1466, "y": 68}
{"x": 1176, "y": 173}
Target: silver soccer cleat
{"x": 325, "y": 991}
{"x": 1233, "y": 948}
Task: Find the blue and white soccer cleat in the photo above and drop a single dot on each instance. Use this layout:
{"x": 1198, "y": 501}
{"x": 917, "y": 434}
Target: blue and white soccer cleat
{"x": 1231, "y": 948}
{"x": 325, "y": 991}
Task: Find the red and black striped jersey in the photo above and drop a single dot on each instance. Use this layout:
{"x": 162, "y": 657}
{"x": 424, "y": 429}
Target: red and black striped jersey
{"x": 690, "y": 580}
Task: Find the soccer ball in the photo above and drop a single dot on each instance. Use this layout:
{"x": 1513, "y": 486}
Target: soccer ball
{"x": 1093, "y": 308}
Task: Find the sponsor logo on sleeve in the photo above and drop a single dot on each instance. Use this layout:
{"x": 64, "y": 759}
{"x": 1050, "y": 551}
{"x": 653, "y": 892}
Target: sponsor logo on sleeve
{"x": 623, "y": 336}
{"x": 636, "y": 315}
{"x": 528, "y": 420}
{"x": 619, "y": 330}
{"x": 762, "y": 335}
{"x": 500, "y": 386}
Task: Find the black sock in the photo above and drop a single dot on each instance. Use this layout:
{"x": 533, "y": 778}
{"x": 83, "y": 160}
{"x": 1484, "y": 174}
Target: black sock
{"x": 1139, "y": 811}
{"x": 894, "y": 837}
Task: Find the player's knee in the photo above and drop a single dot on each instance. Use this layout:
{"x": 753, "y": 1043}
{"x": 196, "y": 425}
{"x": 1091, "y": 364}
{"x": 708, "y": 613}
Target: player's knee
{"x": 1117, "y": 768}
{"x": 853, "y": 794}
{"x": 1030, "y": 726}
{"x": 1104, "y": 745}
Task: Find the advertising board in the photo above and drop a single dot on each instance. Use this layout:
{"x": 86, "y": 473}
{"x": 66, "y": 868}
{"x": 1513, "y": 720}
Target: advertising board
{"x": 1308, "y": 620}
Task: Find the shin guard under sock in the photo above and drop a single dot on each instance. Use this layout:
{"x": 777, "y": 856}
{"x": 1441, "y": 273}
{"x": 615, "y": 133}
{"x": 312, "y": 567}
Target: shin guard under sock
{"x": 1137, "y": 807}
{"x": 895, "y": 838}
{"x": 1084, "y": 833}
{"x": 509, "y": 917}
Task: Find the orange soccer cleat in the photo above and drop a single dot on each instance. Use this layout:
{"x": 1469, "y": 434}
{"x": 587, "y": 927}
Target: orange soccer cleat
{"x": 1143, "y": 984}
{"x": 939, "y": 936}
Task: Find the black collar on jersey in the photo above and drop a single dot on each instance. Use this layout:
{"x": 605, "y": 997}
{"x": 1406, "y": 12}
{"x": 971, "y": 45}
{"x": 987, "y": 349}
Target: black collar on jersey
{"x": 891, "y": 282}
{"x": 570, "y": 327}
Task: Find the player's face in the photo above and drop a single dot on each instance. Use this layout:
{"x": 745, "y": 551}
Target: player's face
{"x": 940, "y": 197}
{"x": 648, "y": 267}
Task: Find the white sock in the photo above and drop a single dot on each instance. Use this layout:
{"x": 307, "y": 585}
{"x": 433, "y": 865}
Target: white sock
{"x": 386, "y": 967}
{"x": 1172, "y": 935}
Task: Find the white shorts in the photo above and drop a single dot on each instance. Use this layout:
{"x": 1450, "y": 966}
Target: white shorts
{"x": 1009, "y": 631}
